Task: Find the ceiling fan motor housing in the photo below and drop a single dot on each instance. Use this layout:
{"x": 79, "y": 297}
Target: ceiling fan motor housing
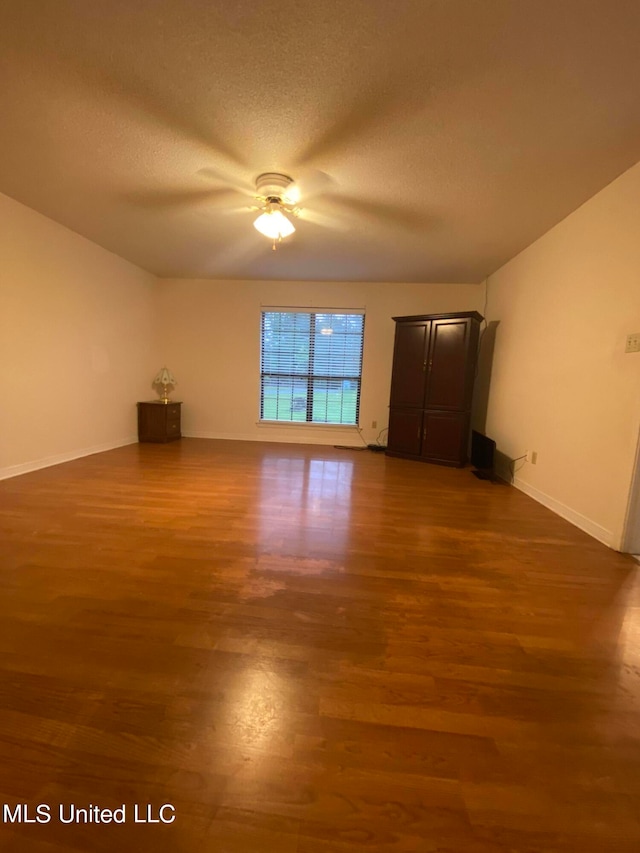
{"x": 272, "y": 185}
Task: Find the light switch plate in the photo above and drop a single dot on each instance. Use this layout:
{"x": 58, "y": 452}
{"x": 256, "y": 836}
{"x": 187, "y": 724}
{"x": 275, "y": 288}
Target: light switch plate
{"x": 633, "y": 343}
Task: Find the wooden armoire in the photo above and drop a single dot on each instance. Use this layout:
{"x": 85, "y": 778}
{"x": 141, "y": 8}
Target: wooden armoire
{"x": 434, "y": 364}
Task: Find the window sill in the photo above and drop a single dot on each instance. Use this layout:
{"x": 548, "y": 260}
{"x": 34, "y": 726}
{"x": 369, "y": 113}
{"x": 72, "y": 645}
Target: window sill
{"x": 306, "y": 425}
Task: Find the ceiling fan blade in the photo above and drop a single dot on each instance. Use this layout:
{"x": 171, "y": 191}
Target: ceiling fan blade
{"x": 308, "y": 185}
{"x": 230, "y": 181}
{"x": 165, "y": 199}
{"x": 240, "y": 208}
{"x": 316, "y": 217}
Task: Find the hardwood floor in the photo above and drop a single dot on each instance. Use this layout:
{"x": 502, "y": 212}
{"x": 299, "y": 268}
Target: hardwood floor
{"x": 308, "y": 650}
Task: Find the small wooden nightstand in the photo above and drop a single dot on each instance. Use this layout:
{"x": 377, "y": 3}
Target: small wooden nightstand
{"x": 158, "y": 421}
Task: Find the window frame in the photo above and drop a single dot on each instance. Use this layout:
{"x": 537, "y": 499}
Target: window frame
{"x": 309, "y": 377}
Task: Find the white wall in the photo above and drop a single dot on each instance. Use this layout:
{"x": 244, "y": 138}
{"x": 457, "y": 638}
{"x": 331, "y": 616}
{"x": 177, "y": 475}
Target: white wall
{"x": 631, "y": 543}
{"x": 562, "y": 384}
{"x": 211, "y": 337}
{"x": 76, "y": 342}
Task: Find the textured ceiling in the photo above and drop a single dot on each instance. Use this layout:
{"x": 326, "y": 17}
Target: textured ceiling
{"x": 435, "y": 138}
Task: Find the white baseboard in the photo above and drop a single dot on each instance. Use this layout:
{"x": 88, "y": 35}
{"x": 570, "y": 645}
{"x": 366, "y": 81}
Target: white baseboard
{"x": 586, "y": 524}
{"x": 58, "y": 459}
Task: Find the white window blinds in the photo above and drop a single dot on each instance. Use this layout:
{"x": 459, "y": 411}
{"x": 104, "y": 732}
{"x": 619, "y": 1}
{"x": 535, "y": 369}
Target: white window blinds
{"x": 311, "y": 365}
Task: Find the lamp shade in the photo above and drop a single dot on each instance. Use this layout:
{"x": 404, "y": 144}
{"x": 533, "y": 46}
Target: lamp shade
{"x": 273, "y": 223}
{"x": 165, "y": 377}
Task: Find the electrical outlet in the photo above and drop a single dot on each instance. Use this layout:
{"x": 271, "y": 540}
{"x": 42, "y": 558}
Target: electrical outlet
{"x": 534, "y": 457}
{"x": 374, "y": 424}
{"x": 633, "y": 343}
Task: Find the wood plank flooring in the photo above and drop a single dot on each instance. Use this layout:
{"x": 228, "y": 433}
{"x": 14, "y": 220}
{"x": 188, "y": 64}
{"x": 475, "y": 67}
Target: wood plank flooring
{"x": 307, "y": 650}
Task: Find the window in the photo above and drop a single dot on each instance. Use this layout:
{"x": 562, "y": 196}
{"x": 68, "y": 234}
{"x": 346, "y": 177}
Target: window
{"x": 311, "y": 366}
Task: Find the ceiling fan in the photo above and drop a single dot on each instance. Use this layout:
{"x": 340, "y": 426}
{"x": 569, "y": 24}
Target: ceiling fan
{"x": 314, "y": 197}
{"x": 277, "y": 198}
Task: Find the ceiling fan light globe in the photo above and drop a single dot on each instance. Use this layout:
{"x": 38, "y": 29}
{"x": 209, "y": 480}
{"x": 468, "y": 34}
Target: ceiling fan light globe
{"x": 274, "y": 225}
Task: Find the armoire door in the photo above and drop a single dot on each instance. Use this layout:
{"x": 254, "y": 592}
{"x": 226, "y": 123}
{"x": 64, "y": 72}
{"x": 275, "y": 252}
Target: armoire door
{"x": 444, "y": 437}
{"x": 409, "y": 364}
{"x": 448, "y": 362}
{"x": 405, "y": 431}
